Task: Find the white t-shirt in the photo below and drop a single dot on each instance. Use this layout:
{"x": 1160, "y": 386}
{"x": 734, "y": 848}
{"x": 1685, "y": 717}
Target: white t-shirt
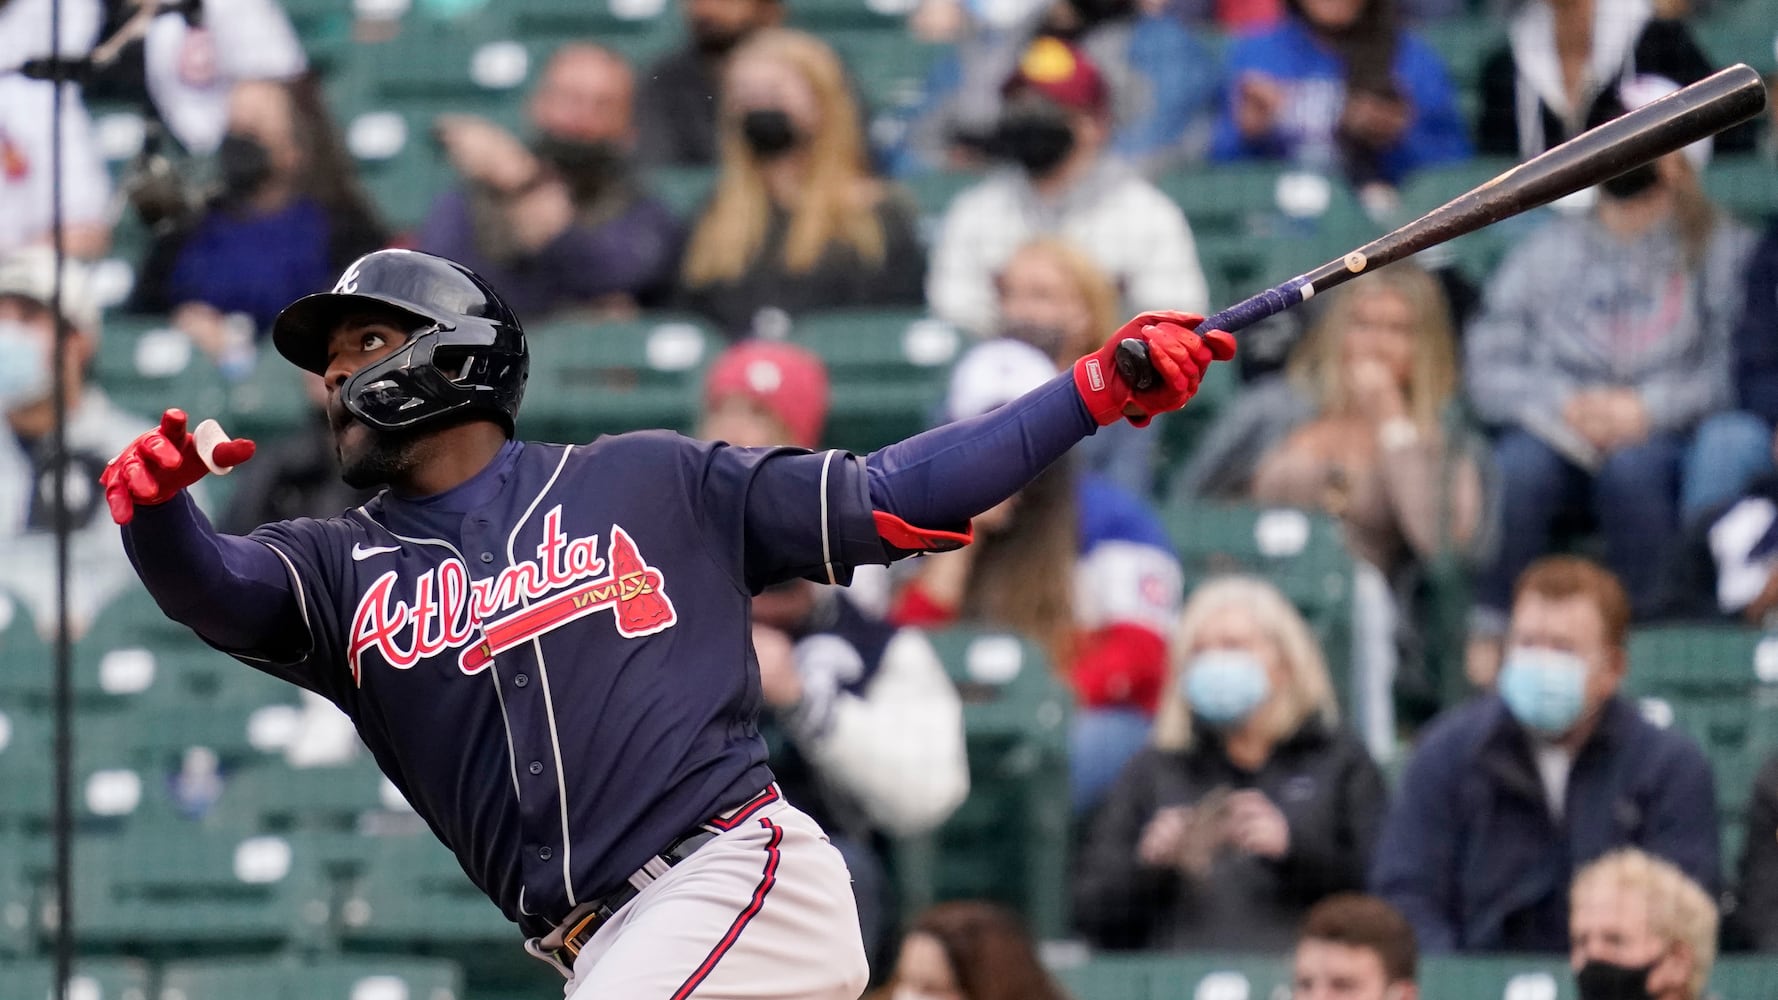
{"x": 1553, "y": 767}
{"x": 25, "y": 188}
{"x": 24, "y": 29}
{"x": 190, "y": 71}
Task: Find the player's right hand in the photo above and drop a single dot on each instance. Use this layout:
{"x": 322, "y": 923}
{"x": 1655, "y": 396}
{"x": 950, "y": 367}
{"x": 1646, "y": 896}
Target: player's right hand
{"x": 1179, "y": 356}
{"x": 160, "y": 463}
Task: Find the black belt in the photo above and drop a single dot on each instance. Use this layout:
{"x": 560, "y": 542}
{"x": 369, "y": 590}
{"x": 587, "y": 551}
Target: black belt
{"x": 588, "y": 917}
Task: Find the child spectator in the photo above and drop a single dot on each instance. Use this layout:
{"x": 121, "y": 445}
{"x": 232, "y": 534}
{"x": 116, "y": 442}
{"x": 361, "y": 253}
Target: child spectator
{"x": 1076, "y": 563}
{"x": 1355, "y": 947}
{"x": 969, "y": 950}
{"x": 1640, "y": 928}
{"x": 1339, "y": 86}
{"x": 797, "y": 222}
{"x": 1251, "y": 804}
{"x": 566, "y": 223}
{"x": 1508, "y": 793}
{"x": 676, "y": 109}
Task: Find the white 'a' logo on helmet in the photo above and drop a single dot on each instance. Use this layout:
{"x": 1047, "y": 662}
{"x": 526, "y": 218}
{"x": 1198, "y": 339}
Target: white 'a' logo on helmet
{"x": 348, "y": 283}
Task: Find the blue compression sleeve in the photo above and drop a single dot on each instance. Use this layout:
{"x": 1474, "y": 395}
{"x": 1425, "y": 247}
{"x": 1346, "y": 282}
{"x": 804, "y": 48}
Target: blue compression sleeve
{"x": 949, "y": 474}
{"x": 233, "y": 591}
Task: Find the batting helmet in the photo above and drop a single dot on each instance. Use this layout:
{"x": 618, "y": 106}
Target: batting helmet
{"x": 465, "y": 353}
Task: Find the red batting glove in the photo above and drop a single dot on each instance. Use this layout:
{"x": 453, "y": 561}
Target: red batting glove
{"x": 1179, "y": 356}
{"x": 160, "y": 463}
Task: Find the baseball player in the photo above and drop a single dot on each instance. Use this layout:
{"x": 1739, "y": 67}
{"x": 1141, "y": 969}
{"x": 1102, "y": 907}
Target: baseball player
{"x": 546, "y": 647}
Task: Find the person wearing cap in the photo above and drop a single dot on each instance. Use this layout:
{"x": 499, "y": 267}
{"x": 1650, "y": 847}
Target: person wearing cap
{"x": 1060, "y": 180}
{"x": 1339, "y": 86}
{"x": 871, "y": 726}
{"x": 1603, "y": 345}
{"x": 1075, "y": 562}
{"x": 96, "y": 430}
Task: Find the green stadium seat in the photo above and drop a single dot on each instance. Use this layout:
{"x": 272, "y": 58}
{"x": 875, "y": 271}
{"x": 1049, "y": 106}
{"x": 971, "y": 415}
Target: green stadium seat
{"x": 1476, "y": 254}
{"x": 593, "y": 378}
{"x": 888, "y": 67}
{"x": 1737, "y": 976}
{"x": 933, "y": 193}
{"x": 1746, "y": 187}
{"x": 1740, "y": 33}
{"x": 1701, "y": 660}
{"x": 1210, "y": 977}
{"x": 604, "y": 21}
{"x": 18, "y": 900}
{"x": 413, "y": 894}
{"x": 1499, "y": 977}
{"x": 270, "y": 403}
{"x": 1109, "y": 977}
{"x": 341, "y": 977}
{"x": 823, "y": 16}
{"x": 683, "y": 189}
{"x": 145, "y": 364}
{"x": 1464, "y": 43}
{"x": 888, "y": 368}
{"x": 93, "y": 979}
{"x": 278, "y": 797}
{"x": 1009, "y": 840}
{"x": 184, "y": 889}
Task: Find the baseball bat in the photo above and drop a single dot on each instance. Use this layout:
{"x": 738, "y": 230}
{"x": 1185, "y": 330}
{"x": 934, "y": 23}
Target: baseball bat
{"x": 1719, "y": 101}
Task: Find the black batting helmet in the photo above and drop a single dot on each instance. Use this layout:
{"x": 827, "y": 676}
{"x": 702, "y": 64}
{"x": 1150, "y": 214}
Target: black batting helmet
{"x": 466, "y": 352}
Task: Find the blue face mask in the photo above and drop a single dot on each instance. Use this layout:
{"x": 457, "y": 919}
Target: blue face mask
{"x": 1545, "y": 689}
{"x": 1225, "y": 686}
{"x": 24, "y": 368}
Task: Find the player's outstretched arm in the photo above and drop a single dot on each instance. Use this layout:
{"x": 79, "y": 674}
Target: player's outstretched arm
{"x": 949, "y": 474}
{"x": 230, "y": 590}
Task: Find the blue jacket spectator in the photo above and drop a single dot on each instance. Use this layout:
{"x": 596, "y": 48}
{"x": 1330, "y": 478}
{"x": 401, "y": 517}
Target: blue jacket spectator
{"x": 1756, "y": 336}
{"x": 1510, "y": 794}
{"x": 1315, "y": 92}
{"x": 562, "y": 224}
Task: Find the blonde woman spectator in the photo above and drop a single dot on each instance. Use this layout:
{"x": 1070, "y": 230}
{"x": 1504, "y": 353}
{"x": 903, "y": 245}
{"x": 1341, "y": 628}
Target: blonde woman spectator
{"x": 1639, "y": 928}
{"x": 1050, "y": 294}
{"x": 1251, "y": 804}
{"x": 797, "y": 222}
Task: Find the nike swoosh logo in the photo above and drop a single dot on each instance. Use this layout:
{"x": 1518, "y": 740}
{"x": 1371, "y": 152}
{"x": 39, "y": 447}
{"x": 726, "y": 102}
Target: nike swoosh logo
{"x": 360, "y": 553}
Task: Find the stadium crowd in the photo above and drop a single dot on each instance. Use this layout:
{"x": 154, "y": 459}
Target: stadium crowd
{"x": 1528, "y": 465}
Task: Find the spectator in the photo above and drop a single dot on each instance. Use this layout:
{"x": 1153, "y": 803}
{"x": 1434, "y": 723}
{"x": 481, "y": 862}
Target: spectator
{"x": 873, "y": 729}
{"x": 1603, "y": 344}
{"x": 1055, "y": 128}
{"x": 1053, "y": 296}
{"x": 1365, "y": 425}
{"x": 1355, "y": 947}
{"x": 676, "y": 111}
{"x": 95, "y": 431}
{"x": 1564, "y": 62}
{"x": 1721, "y": 567}
{"x": 797, "y": 223}
{"x": 969, "y": 950}
{"x": 566, "y": 223}
{"x": 1252, "y": 803}
{"x": 1755, "y": 920}
{"x": 191, "y": 71}
{"x": 1074, "y": 562}
{"x": 26, "y": 107}
{"x": 1340, "y": 86}
{"x": 1161, "y": 82}
{"x": 296, "y": 475}
{"x": 289, "y": 216}
{"x": 1507, "y": 794}
{"x": 1640, "y": 927}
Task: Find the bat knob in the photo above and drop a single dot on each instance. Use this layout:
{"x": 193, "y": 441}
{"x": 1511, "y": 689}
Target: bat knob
{"x": 1133, "y": 364}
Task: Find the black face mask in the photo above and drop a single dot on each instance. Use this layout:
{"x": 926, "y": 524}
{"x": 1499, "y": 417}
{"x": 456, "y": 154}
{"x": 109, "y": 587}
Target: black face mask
{"x": 587, "y": 166}
{"x": 769, "y": 132}
{"x": 1607, "y": 981}
{"x": 1632, "y": 183}
{"x": 1036, "y": 138}
{"x": 242, "y": 165}
{"x": 714, "y": 41}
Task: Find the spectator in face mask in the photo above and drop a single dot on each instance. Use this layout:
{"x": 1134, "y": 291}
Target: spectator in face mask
{"x": 1053, "y": 133}
{"x": 1507, "y": 794}
{"x": 676, "y": 114}
{"x": 1354, "y": 947}
{"x": 1251, "y": 804}
{"x": 969, "y": 950}
{"x": 797, "y": 222}
{"x": 95, "y": 429}
{"x": 563, "y": 223}
{"x": 288, "y": 215}
{"x": 1640, "y": 929}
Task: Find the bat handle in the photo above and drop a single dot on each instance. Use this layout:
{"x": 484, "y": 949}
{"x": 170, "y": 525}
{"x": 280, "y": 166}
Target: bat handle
{"x": 1132, "y": 353}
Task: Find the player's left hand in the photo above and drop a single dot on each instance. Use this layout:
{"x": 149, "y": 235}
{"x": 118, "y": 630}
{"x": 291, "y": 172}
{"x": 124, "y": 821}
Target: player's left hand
{"x": 163, "y": 461}
{"x": 1179, "y": 356}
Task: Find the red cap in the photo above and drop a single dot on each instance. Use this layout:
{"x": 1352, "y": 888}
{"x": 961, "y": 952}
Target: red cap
{"x": 1060, "y": 72}
{"x": 788, "y": 380}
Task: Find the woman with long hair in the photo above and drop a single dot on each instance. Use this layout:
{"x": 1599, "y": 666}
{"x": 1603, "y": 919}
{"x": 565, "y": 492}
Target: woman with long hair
{"x": 969, "y": 950}
{"x": 1250, "y": 804}
{"x": 797, "y": 222}
{"x": 1075, "y": 562}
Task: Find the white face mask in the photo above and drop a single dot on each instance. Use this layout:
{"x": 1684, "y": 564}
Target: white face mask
{"x": 24, "y": 366}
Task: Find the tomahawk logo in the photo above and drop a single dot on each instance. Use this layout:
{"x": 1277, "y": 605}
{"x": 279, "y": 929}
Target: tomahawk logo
{"x": 450, "y": 611}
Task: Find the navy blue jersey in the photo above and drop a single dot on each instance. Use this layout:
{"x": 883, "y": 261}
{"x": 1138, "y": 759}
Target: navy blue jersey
{"x": 552, "y": 661}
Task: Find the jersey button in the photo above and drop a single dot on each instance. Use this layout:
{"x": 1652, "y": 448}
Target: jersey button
{"x": 537, "y": 767}
{"x": 544, "y": 853}
{"x": 487, "y": 557}
{"x": 520, "y": 680}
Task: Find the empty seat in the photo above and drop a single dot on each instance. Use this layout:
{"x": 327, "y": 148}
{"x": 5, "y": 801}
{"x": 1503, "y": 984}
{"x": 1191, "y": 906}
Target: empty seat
{"x": 93, "y": 979}
{"x": 334, "y": 977}
{"x": 1499, "y": 977}
{"x": 413, "y": 893}
{"x": 592, "y": 378}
